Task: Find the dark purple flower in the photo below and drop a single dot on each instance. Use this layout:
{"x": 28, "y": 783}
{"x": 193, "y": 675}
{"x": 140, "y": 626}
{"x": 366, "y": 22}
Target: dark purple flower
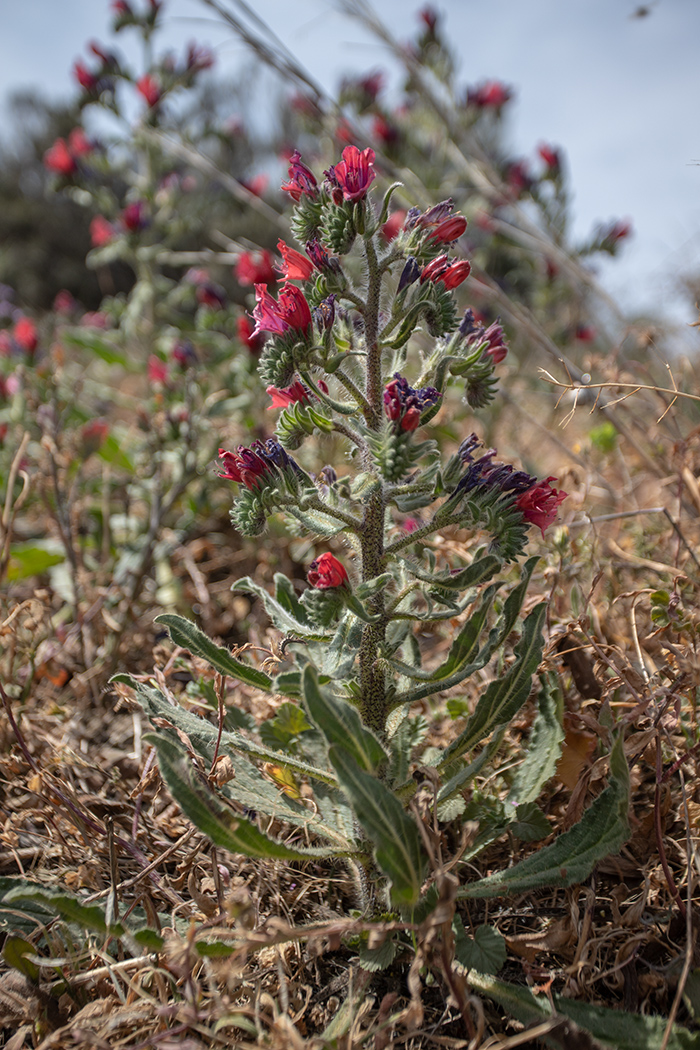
{"x": 404, "y": 405}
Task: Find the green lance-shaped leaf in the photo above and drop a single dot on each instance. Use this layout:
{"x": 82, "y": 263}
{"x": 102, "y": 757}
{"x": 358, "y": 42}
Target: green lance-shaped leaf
{"x": 478, "y": 572}
{"x": 217, "y": 821}
{"x": 466, "y": 645}
{"x": 504, "y": 696}
{"x": 544, "y": 748}
{"x": 613, "y": 1028}
{"x": 398, "y": 849}
{"x": 67, "y": 906}
{"x": 186, "y": 634}
{"x": 570, "y": 859}
{"x": 340, "y": 723}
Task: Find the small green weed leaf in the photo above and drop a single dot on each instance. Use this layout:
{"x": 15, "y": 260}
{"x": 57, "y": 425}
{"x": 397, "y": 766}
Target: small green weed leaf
{"x": 570, "y": 858}
{"x": 68, "y": 907}
{"x": 148, "y": 939}
{"x": 214, "y": 949}
{"x": 283, "y": 730}
{"x": 375, "y": 959}
{"x": 186, "y": 634}
{"x": 613, "y": 1028}
{"x": 398, "y": 849}
{"x": 90, "y": 340}
{"x": 15, "y": 951}
{"x": 691, "y": 993}
{"x": 484, "y": 952}
{"x": 504, "y": 696}
{"x": 544, "y": 747}
{"x": 530, "y": 824}
{"x": 208, "y": 813}
{"x": 340, "y": 723}
{"x": 31, "y": 559}
{"x": 111, "y": 452}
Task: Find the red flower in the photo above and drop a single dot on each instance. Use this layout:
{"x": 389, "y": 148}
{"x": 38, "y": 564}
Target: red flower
{"x": 87, "y": 80}
{"x": 449, "y": 230}
{"x": 25, "y": 334}
{"x": 296, "y": 267}
{"x": 451, "y": 274}
{"x": 291, "y": 310}
{"x": 385, "y": 131}
{"x": 539, "y": 504}
{"x": 157, "y": 370}
{"x": 64, "y": 303}
{"x": 552, "y": 158}
{"x": 92, "y": 436}
{"x": 255, "y": 268}
{"x": 492, "y": 94}
{"x": 393, "y": 224}
{"x": 302, "y": 181}
{"x": 455, "y": 274}
{"x": 101, "y": 231}
{"x": 327, "y": 572}
{"x": 133, "y": 217}
{"x": 60, "y": 159}
{"x": 257, "y": 184}
{"x": 79, "y": 144}
{"x": 244, "y": 329}
{"x": 288, "y": 395}
{"x": 149, "y": 87}
{"x": 497, "y": 349}
{"x": 249, "y": 466}
{"x": 354, "y": 174}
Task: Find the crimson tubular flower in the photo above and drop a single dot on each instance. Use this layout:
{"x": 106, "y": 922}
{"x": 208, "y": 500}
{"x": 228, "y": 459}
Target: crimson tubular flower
{"x": 451, "y": 274}
{"x": 60, "y": 159}
{"x": 26, "y": 335}
{"x": 288, "y": 395}
{"x": 251, "y": 466}
{"x": 291, "y": 310}
{"x": 354, "y": 173}
{"x": 295, "y": 266}
{"x": 255, "y": 268}
{"x": 539, "y": 504}
{"x": 327, "y": 572}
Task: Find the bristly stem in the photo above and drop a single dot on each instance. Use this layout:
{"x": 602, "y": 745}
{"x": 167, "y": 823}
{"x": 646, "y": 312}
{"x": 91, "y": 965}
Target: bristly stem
{"x": 372, "y": 680}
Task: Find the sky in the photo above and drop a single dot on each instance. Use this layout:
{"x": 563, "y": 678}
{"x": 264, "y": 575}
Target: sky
{"x": 619, "y": 94}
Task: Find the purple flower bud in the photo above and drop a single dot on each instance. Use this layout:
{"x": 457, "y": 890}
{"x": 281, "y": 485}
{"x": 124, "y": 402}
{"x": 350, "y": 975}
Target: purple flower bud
{"x": 410, "y": 274}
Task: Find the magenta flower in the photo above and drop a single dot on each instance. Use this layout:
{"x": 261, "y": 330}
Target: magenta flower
{"x": 101, "y": 231}
{"x": 302, "y": 181}
{"x": 354, "y": 174}
{"x": 252, "y": 466}
{"x": 539, "y": 504}
{"x": 149, "y": 88}
{"x": 26, "y": 335}
{"x": 133, "y": 217}
{"x": 291, "y": 310}
{"x": 87, "y": 80}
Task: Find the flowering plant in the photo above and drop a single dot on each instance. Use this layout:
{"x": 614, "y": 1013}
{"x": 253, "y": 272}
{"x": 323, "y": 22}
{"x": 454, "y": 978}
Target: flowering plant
{"x": 352, "y": 730}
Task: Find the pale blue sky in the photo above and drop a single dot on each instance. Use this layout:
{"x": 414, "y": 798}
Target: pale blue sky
{"x": 621, "y": 95}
